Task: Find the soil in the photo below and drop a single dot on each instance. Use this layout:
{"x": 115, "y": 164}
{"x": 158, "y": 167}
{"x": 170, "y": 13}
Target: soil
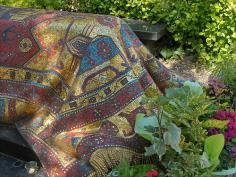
{"x": 188, "y": 69}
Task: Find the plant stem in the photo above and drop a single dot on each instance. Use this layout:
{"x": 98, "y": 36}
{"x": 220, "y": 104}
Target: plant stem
{"x": 159, "y": 118}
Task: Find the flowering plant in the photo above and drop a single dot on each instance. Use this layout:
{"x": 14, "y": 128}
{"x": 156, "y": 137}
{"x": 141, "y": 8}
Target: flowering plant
{"x": 152, "y": 173}
{"x": 228, "y": 119}
{"x": 220, "y": 91}
{"x": 175, "y": 130}
{"x": 187, "y": 132}
{"x": 124, "y": 169}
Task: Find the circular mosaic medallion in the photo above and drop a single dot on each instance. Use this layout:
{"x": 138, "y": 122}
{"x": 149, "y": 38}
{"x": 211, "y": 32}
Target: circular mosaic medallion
{"x": 25, "y": 45}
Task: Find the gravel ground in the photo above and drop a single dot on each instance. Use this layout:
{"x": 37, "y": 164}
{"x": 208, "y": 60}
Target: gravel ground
{"x": 188, "y": 70}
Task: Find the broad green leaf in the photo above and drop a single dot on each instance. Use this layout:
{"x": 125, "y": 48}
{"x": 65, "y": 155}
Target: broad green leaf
{"x": 142, "y": 122}
{"x": 158, "y": 148}
{"x": 124, "y": 169}
{"x": 213, "y": 146}
{"x": 172, "y": 137}
{"x": 151, "y": 129}
{"x": 174, "y": 92}
{"x": 166, "y": 53}
{"x": 205, "y": 163}
{"x": 233, "y": 139}
{"x": 162, "y": 100}
{"x": 151, "y": 150}
{"x": 225, "y": 172}
{"x": 194, "y": 87}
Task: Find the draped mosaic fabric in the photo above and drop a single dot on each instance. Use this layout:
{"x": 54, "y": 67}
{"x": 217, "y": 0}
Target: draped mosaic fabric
{"x": 72, "y": 84}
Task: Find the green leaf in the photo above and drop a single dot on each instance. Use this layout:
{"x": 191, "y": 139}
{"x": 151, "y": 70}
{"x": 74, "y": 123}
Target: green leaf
{"x": 158, "y": 148}
{"x": 151, "y": 129}
{"x": 172, "y": 137}
{"x": 124, "y": 169}
{"x": 213, "y": 146}
{"x": 166, "y": 53}
{"x": 214, "y": 123}
{"x": 151, "y": 150}
{"x": 205, "y": 163}
{"x": 233, "y": 139}
{"x": 173, "y": 92}
{"x": 225, "y": 172}
{"x": 141, "y": 124}
{"x": 194, "y": 87}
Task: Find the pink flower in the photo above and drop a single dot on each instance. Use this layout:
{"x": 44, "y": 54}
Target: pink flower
{"x": 152, "y": 173}
{"x": 224, "y": 115}
{"x": 229, "y": 134}
{"x": 232, "y": 125}
{"x": 231, "y": 115}
{"x": 221, "y": 115}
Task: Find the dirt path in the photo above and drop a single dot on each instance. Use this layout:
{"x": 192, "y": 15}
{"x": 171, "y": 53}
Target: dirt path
{"x": 188, "y": 70}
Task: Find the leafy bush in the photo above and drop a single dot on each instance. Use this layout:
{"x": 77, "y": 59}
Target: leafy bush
{"x": 221, "y": 92}
{"x": 45, "y": 4}
{"x": 188, "y": 140}
{"x": 174, "y": 126}
{"x": 168, "y": 53}
{"x": 207, "y": 27}
{"x": 124, "y": 169}
{"x": 139, "y": 9}
{"x": 227, "y": 73}
{"x": 224, "y": 122}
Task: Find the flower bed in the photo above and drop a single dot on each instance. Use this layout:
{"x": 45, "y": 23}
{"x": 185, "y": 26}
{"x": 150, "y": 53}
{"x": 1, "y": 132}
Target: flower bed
{"x": 191, "y": 129}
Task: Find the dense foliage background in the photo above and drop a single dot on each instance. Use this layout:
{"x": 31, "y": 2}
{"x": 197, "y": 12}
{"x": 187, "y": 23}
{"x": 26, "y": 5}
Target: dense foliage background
{"x": 45, "y": 4}
{"x": 207, "y": 28}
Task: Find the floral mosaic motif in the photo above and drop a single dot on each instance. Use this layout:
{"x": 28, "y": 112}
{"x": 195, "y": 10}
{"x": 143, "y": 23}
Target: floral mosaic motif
{"x": 17, "y": 43}
{"x": 104, "y": 50}
{"x": 109, "y": 21}
{"x": 101, "y": 49}
{"x": 25, "y": 45}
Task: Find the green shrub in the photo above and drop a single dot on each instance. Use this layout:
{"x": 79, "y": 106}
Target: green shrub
{"x": 227, "y": 72}
{"x": 208, "y": 27}
{"x": 45, "y": 4}
{"x": 138, "y": 9}
{"x": 174, "y": 126}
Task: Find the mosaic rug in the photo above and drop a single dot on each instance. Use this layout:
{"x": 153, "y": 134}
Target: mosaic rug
{"x": 72, "y": 83}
